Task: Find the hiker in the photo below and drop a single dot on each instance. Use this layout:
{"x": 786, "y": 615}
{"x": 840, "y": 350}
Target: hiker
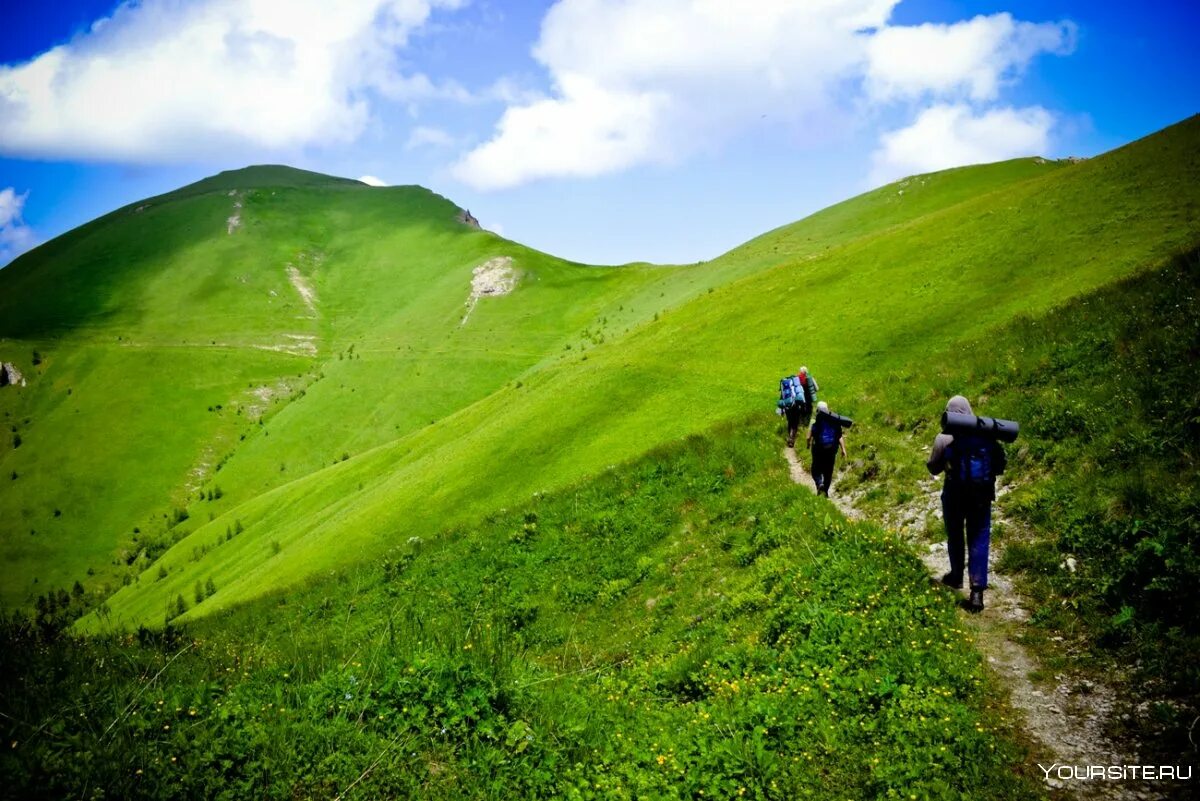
{"x": 971, "y": 463}
{"x": 825, "y": 437}
{"x": 797, "y": 394}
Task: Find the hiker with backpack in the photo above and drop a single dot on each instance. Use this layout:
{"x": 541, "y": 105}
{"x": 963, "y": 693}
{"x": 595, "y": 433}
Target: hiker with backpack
{"x": 970, "y": 460}
{"x": 797, "y": 394}
{"x": 825, "y": 438}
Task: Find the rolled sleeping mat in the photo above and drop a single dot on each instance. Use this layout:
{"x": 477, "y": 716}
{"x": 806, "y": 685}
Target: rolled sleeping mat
{"x": 837, "y": 419}
{"x": 1003, "y": 430}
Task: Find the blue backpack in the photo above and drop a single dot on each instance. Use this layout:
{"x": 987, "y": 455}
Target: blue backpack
{"x": 792, "y": 392}
{"x": 825, "y": 432}
{"x": 969, "y": 464}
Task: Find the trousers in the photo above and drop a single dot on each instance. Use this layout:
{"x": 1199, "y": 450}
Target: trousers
{"x": 823, "y": 459}
{"x": 797, "y": 417}
{"x": 968, "y": 523}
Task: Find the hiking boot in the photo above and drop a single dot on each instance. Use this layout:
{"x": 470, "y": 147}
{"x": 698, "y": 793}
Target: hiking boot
{"x": 953, "y": 581}
{"x": 792, "y": 443}
{"x": 975, "y": 603}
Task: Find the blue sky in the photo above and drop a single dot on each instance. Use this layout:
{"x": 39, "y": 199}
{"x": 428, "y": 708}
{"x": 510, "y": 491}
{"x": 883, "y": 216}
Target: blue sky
{"x": 598, "y": 130}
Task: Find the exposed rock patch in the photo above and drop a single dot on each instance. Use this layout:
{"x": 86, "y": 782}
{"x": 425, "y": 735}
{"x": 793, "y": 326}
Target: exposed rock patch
{"x": 304, "y": 343}
{"x": 10, "y": 375}
{"x": 303, "y": 287}
{"x": 493, "y": 278}
{"x": 202, "y": 470}
{"x": 466, "y": 218}
{"x": 235, "y": 219}
{"x": 295, "y": 344}
{"x": 256, "y": 402}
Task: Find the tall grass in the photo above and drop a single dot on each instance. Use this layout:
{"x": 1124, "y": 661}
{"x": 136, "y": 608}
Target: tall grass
{"x": 690, "y": 626}
{"x": 1101, "y": 505}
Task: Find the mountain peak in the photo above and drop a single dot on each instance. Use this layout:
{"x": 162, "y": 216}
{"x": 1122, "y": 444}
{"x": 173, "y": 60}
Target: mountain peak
{"x": 257, "y": 176}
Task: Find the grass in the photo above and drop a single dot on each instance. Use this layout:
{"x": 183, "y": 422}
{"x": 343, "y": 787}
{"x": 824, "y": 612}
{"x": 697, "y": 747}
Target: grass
{"x": 1012, "y": 250}
{"x": 1104, "y": 476}
{"x": 183, "y": 334}
{"x": 683, "y": 627}
{"x": 470, "y": 555}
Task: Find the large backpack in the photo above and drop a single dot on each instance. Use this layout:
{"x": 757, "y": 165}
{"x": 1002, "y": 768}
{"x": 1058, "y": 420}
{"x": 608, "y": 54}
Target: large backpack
{"x": 969, "y": 465}
{"x": 790, "y": 391}
{"x": 826, "y": 432}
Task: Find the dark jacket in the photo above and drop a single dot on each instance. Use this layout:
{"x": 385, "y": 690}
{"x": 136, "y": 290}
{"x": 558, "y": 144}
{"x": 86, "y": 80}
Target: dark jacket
{"x": 937, "y": 457}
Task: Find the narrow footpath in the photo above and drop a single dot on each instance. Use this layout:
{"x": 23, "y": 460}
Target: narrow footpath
{"x": 1065, "y": 719}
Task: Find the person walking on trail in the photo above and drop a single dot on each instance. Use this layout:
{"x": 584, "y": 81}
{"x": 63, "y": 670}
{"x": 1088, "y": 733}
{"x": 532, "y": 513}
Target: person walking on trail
{"x": 797, "y": 394}
{"x": 970, "y": 463}
{"x": 825, "y": 438}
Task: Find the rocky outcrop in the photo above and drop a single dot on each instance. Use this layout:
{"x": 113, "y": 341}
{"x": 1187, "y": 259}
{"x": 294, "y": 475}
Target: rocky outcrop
{"x": 466, "y": 218}
{"x": 10, "y": 375}
{"x": 491, "y": 279}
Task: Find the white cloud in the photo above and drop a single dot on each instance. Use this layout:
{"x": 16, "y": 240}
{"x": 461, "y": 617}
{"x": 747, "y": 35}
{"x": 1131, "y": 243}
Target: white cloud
{"x": 653, "y": 81}
{"x": 970, "y": 58}
{"x": 371, "y": 180}
{"x": 10, "y": 206}
{"x": 953, "y": 135}
{"x": 509, "y": 90}
{"x": 426, "y": 136}
{"x": 590, "y": 132}
{"x": 162, "y": 80}
{"x": 656, "y": 81}
{"x": 15, "y": 236}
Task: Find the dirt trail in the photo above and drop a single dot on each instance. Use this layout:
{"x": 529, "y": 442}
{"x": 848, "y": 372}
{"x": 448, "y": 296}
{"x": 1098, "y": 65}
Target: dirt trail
{"x": 1066, "y": 718}
{"x": 804, "y": 478}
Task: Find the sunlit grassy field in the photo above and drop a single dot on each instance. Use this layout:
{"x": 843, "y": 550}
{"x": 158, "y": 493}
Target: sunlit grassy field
{"x": 881, "y": 298}
{"x": 688, "y": 626}
{"x": 552, "y": 551}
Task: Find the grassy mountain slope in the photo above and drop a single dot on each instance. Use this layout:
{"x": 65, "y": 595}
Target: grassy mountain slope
{"x": 690, "y": 625}
{"x": 568, "y": 582}
{"x": 1100, "y": 515}
{"x": 190, "y": 342}
{"x": 165, "y": 335}
{"x": 855, "y": 310}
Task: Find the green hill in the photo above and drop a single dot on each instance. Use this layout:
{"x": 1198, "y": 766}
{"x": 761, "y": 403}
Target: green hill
{"x": 501, "y": 530}
{"x": 187, "y": 388}
{"x": 654, "y": 354}
{"x": 681, "y": 627}
{"x": 185, "y": 332}
{"x": 164, "y": 335}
